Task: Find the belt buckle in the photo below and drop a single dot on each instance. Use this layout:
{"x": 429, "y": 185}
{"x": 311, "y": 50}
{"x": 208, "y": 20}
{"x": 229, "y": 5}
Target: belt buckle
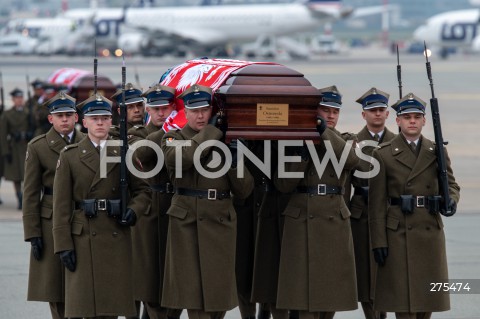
{"x": 169, "y": 188}
{"x": 322, "y": 189}
{"x": 212, "y": 194}
{"x": 420, "y": 201}
{"x": 101, "y": 204}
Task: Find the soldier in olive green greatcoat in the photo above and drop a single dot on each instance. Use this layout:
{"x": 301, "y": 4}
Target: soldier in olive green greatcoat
{"x": 46, "y": 275}
{"x": 374, "y": 111}
{"x": 135, "y": 110}
{"x": 151, "y": 230}
{"x": 91, "y": 233}
{"x": 200, "y": 259}
{"x": 317, "y": 268}
{"x": 15, "y": 133}
{"x": 406, "y": 228}
{"x": 269, "y": 205}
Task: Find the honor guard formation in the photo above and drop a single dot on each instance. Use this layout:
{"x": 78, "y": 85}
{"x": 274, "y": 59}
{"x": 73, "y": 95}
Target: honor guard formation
{"x": 146, "y": 217}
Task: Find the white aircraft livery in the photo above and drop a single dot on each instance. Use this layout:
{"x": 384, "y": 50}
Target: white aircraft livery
{"x": 459, "y": 28}
{"x": 206, "y": 26}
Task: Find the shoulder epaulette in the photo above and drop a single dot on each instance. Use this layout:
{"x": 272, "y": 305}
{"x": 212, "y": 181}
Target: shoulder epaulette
{"x": 71, "y": 146}
{"x": 138, "y": 127}
{"x": 37, "y": 138}
{"x": 384, "y": 144}
{"x": 348, "y": 136}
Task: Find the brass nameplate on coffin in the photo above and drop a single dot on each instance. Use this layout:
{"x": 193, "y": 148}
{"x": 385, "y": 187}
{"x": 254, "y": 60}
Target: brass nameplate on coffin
{"x": 272, "y": 114}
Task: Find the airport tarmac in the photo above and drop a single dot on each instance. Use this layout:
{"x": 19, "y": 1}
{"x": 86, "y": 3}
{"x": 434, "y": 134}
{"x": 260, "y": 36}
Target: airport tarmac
{"x": 456, "y": 87}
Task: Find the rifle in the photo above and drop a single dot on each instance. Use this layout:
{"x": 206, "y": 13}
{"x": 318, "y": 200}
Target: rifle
{"x": 399, "y": 78}
{"x": 31, "y": 122}
{"x": 95, "y": 64}
{"x": 399, "y": 75}
{"x": 123, "y": 148}
{"x": 2, "y": 97}
{"x": 439, "y": 150}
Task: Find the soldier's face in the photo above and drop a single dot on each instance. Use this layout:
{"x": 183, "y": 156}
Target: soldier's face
{"x": 17, "y": 101}
{"x": 63, "y": 123}
{"x": 411, "y": 124}
{"x": 135, "y": 112}
{"x": 97, "y": 126}
{"x": 375, "y": 117}
{"x": 38, "y": 92}
{"x": 159, "y": 114}
{"x": 198, "y": 118}
{"x": 330, "y": 114}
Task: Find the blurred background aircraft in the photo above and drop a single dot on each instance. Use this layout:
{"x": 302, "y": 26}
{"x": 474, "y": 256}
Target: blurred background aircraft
{"x": 291, "y": 29}
{"x": 450, "y": 30}
{"x": 206, "y": 29}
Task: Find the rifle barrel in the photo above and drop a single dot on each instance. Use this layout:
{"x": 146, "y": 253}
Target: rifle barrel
{"x": 399, "y": 74}
{"x": 123, "y": 148}
{"x": 439, "y": 150}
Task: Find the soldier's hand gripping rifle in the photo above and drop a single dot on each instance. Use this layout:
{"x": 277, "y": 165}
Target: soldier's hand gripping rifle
{"x": 128, "y": 217}
{"x": 445, "y": 208}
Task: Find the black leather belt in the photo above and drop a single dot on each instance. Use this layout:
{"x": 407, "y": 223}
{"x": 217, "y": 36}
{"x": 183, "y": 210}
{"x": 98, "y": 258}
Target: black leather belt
{"x": 100, "y": 204}
{"x": 210, "y": 194}
{"x": 419, "y": 201}
{"x": 166, "y": 188}
{"x": 321, "y": 189}
{"x": 47, "y": 191}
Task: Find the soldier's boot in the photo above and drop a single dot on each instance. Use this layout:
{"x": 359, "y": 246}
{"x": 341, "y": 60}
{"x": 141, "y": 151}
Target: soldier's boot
{"x": 249, "y": 317}
{"x": 383, "y": 315}
{"x": 19, "y": 198}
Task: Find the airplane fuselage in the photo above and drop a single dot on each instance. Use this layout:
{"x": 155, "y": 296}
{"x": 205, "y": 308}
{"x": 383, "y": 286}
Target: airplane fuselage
{"x": 450, "y": 29}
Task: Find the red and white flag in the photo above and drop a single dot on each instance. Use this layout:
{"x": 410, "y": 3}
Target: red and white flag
{"x": 207, "y": 72}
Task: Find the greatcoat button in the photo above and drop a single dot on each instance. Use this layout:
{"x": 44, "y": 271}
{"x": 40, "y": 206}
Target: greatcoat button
{"x": 114, "y": 234}
{"x": 409, "y": 227}
{"x": 330, "y": 217}
{"x": 94, "y": 233}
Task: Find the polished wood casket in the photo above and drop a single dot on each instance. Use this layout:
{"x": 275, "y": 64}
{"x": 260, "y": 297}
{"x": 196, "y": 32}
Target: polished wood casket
{"x": 269, "y": 102}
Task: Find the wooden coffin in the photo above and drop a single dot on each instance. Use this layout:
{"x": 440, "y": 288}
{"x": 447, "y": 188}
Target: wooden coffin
{"x": 269, "y": 102}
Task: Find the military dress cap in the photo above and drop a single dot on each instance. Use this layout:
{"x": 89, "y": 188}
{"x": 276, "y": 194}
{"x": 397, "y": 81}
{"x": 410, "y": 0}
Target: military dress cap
{"x": 132, "y": 95}
{"x": 48, "y": 87}
{"x": 196, "y": 96}
{"x": 95, "y": 105}
{"x": 330, "y": 97}
{"x": 60, "y": 103}
{"x": 373, "y": 98}
{"x": 410, "y": 103}
{"x": 16, "y": 93}
{"x": 37, "y": 84}
{"x": 159, "y": 95}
